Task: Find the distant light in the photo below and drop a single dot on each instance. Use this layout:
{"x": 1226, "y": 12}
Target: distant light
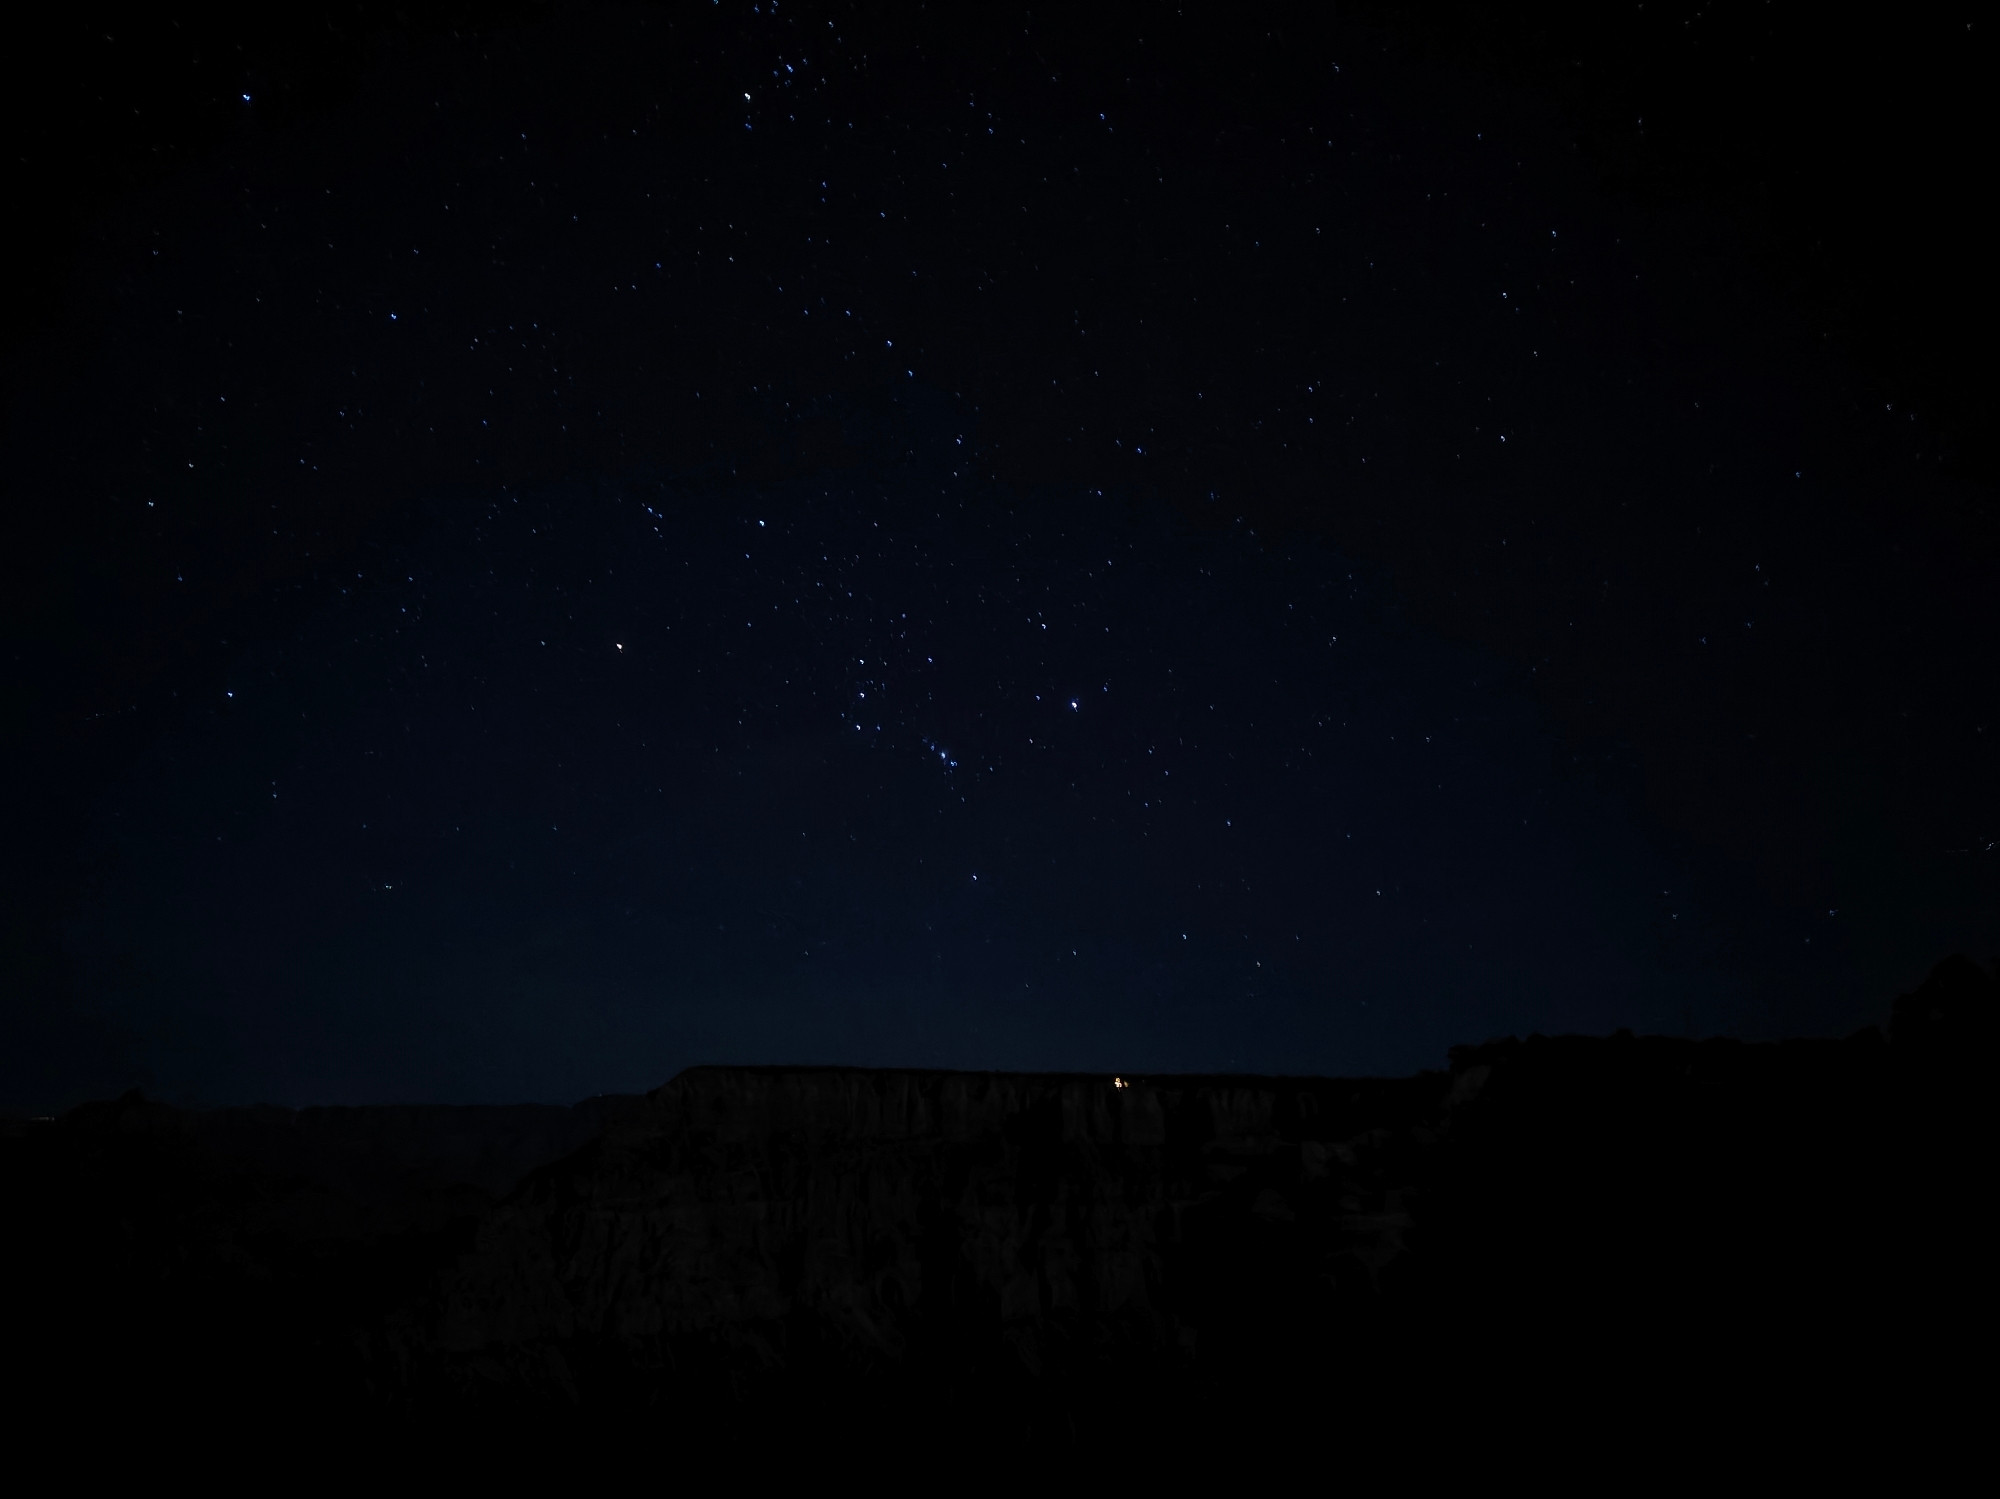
{"x": 1119, "y": 1082}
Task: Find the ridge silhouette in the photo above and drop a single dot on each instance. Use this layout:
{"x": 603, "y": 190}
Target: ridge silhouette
{"x": 1777, "y": 1236}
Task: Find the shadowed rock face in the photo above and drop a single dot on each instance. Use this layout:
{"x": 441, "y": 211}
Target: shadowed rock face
{"x": 159, "y": 1262}
{"x": 1646, "y": 1229}
{"x": 1571, "y": 1217}
{"x": 974, "y": 1225}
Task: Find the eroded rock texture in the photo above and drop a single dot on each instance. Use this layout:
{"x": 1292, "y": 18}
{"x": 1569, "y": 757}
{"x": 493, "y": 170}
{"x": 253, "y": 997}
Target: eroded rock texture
{"x": 746, "y": 1221}
{"x": 1674, "y": 1235}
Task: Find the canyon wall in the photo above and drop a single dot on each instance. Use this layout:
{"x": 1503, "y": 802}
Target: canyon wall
{"x": 1650, "y": 1230}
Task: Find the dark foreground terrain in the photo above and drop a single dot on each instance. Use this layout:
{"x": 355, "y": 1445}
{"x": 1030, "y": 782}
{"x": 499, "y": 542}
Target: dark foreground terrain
{"x": 1663, "y": 1237}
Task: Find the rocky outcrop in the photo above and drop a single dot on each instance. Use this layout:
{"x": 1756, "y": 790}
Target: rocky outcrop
{"x": 158, "y": 1259}
{"x": 1029, "y": 1243}
{"x": 1555, "y": 1225}
{"x": 742, "y": 1223}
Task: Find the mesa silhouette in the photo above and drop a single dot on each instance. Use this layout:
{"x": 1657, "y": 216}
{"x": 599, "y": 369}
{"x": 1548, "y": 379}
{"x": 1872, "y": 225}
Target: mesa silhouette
{"x": 1705, "y": 1229}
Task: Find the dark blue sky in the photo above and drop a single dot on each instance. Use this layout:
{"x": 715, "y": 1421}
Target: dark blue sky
{"x": 891, "y": 766}
{"x": 655, "y": 537}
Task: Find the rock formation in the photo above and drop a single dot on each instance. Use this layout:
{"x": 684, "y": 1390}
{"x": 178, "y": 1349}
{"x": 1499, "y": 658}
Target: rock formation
{"x": 1634, "y": 1228}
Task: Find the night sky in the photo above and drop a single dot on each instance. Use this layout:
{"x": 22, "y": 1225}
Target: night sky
{"x": 552, "y": 545}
